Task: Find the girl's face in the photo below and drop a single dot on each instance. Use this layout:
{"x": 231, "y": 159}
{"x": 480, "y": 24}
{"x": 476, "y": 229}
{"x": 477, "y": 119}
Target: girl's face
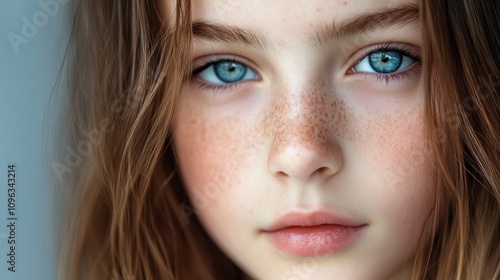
{"x": 300, "y": 138}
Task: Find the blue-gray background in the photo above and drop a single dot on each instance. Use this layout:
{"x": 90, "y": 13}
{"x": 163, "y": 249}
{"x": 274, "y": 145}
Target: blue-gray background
{"x": 27, "y": 80}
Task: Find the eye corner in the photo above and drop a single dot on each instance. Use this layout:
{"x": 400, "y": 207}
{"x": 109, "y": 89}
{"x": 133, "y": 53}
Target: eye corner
{"x": 351, "y": 70}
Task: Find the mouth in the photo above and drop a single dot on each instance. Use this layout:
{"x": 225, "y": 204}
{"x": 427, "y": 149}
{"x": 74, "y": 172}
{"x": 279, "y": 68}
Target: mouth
{"x": 311, "y": 234}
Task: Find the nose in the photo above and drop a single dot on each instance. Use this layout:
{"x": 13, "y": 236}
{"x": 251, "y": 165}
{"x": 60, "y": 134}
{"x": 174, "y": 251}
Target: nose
{"x": 305, "y": 143}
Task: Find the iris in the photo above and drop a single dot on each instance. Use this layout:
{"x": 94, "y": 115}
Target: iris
{"x": 229, "y": 71}
{"x": 385, "y": 61}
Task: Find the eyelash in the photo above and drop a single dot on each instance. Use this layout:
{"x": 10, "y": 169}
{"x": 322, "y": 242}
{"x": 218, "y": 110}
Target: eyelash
{"x": 398, "y": 76}
{"x": 210, "y": 61}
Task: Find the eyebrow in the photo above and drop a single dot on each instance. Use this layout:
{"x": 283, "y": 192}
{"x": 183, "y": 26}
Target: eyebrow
{"x": 400, "y": 15}
{"x": 228, "y": 34}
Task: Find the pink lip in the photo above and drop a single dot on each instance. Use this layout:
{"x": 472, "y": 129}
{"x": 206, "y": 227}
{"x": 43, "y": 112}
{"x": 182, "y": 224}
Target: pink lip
{"x": 312, "y": 234}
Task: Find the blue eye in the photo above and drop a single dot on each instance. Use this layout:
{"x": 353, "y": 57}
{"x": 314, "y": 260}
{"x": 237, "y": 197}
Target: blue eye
{"x": 384, "y": 62}
{"x": 226, "y": 72}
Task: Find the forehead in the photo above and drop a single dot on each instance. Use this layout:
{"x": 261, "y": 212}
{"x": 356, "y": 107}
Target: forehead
{"x": 279, "y": 16}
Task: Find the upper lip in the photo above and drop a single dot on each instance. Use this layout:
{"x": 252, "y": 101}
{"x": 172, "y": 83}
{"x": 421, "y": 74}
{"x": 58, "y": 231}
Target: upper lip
{"x": 309, "y": 219}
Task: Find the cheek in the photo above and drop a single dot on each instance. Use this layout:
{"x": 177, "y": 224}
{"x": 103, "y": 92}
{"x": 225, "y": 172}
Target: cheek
{"x": 400, "y": 149}
{"x": 399, "y": 159}
{"x": 210, "y": 152}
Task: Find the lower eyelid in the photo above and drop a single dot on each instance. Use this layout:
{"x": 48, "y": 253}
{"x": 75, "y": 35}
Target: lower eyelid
{"x": 413, "y": 70}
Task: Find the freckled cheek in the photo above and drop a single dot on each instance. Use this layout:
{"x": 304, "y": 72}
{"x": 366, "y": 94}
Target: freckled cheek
{"x": 211, "y": 152}
{"x": 397, "y": 147}
{"x": 400, "y": 166}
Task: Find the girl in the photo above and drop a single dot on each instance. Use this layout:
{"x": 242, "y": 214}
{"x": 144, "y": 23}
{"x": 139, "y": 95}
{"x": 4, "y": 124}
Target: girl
{"x": 271, "y": 140}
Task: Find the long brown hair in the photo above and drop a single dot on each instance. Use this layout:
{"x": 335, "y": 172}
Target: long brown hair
{"x": 123, "y": 197}
{"x": 462, "y": 60}
{"x": 122, "y": 194}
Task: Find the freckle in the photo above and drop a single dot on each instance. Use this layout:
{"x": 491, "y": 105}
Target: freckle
{"x": 325, "y": 116}
{"x": 344, "y": 3}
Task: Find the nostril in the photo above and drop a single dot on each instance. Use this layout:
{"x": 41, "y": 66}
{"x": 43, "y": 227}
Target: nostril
{"x": 322, "y": 170}
{"x": 281, "y": 174}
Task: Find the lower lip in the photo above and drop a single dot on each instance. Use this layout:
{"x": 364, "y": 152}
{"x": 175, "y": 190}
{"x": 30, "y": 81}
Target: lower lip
{"x": 313, "y": 240}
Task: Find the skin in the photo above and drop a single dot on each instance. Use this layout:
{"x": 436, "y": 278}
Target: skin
{"x": 307, "y": 133}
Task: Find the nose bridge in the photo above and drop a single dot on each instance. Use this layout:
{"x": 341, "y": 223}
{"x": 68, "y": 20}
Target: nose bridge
{"x": 303, "y": 138}
{"x": 304, "y": 120}
{"x": 308, "y": 100}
